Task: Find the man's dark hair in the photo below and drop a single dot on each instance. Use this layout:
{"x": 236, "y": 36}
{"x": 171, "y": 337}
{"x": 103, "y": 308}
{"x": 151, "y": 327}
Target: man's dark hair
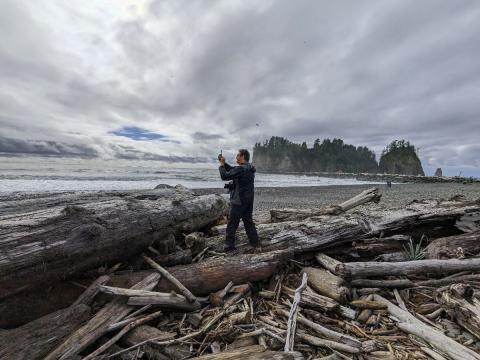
{"x": 245, "y": 154}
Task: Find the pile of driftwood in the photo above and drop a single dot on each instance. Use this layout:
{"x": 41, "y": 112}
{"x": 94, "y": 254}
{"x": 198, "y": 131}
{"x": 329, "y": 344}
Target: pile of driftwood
{"x": 328, "y": 283}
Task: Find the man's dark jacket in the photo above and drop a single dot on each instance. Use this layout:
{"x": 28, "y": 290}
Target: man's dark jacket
{"x": 243, "y": 179}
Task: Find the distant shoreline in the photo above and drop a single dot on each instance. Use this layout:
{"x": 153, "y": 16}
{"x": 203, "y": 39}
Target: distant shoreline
{"x": 398, "y": 178}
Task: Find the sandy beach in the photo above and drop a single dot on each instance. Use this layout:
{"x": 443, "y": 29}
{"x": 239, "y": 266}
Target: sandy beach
{"x": 395, "y": 197}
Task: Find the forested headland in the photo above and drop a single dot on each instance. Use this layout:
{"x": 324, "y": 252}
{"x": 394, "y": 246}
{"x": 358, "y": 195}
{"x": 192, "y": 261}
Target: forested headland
{"x": 279, "y": 154}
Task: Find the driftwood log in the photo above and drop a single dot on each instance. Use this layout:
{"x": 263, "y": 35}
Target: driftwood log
{"x": 214, "y": 274}
{"x": 458, "y": 246}
{"x": 99, "y": 325}
{"x": 404, "y": 268}
{"x": 200, "y": 278}
{"x": 327, "y": 284}
{"x": 36, "y": 339}
{"x": 280, "y": 215}
{"x": 412, "y": 325}
{"x": 324, "y": 232}
{"x": 53, "y": 236}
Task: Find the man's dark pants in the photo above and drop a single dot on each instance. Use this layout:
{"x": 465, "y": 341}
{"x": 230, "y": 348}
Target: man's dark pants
{"x": 243, "y": 212}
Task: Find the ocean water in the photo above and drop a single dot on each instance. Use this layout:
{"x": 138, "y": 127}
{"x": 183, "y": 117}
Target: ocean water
{"x": 57, "y": 174}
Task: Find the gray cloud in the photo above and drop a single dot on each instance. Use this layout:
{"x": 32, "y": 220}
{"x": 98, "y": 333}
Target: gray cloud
{"x": 48, "y": 148}
{"x": 368, "y": 72}
{"x": 130, "y": 153}
{"x": 201, "y": 136}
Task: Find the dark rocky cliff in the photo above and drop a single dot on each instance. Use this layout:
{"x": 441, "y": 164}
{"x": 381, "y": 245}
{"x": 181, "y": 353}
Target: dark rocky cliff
{"x": 400, "y": 157}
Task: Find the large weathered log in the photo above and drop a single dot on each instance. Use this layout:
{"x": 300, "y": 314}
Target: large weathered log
{"x": 37, "y": 338}
{"x": 200, "y": 278}
{"x": 327, "y": 284}
{"x": 214, "y": 274}
{"x": 456, "y": 246}
{"x": 53, "y": 236}
{"x": 279, "y": 215}
{"x": 404, "y": 268}
{"x": 324, "y": 232}
{"x": 98, "y": 326}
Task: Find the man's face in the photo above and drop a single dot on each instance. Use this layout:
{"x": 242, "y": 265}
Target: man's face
{"x": 240, "y": 159}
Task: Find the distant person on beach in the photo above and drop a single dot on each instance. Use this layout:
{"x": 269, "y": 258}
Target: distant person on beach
{"x": 241, "y": 188}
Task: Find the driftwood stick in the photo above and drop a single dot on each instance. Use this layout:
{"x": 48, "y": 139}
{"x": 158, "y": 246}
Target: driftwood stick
{"x": 434, "y": 337}
{"x": 292, "y": 317}
{"x": 368, "y": 304}
{"x": 177, "y": 284}
{"x": 387, "y": 284}
{"x": 348, "y": 340}
{"x": 167, "y": 300}
{"x": 212, "y": 322}
{"x": 448, "y": 280}
{"x": 216, "y": 298}
{"x": 263, "y": 331}
{"x": 122, "y": 332}
{"x": 315, "y": 341}
{"x": 126, "y": 292}
{"x": 399, "y": 299}
{"x": 433, "y": 354}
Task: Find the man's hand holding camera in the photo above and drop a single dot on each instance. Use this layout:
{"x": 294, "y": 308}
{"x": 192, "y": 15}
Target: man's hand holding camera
{"x": 221, "y": 159}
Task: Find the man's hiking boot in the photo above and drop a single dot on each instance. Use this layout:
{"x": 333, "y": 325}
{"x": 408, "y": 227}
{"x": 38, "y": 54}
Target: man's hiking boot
{"x": 230, "y": 251}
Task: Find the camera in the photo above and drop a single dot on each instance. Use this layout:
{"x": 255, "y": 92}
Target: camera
{"x": 230, "y": 186}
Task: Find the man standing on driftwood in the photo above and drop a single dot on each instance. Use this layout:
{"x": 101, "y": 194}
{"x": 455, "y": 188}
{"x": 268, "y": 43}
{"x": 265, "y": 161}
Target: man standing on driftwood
{"x": 241, "y": 198}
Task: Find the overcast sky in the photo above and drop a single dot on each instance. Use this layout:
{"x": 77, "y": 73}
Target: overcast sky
{"x": 180, "y": 80}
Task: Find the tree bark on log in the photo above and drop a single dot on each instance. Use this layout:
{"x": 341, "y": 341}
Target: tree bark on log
{"x": 454, "y": 246}
{"x": 405, "y": 268}
{"x": 50, "y": 237}
{"x": 281, "y": 215}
